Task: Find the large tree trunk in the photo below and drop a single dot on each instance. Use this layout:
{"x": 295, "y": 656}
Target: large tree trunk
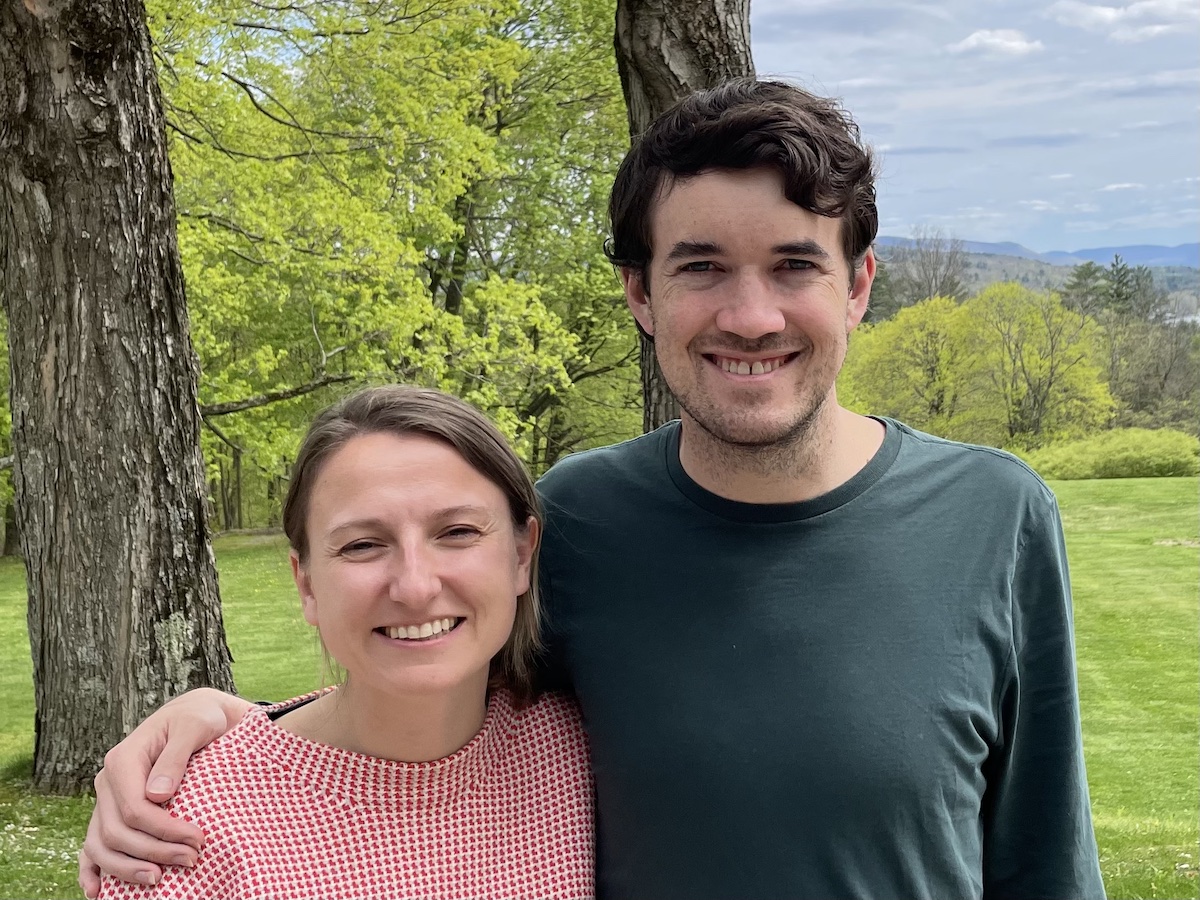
{"x": 123, "y": 604}
{"x": 665, "y": 50}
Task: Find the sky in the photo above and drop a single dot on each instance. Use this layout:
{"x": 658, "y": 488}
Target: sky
{"x": 1057, "y": 124}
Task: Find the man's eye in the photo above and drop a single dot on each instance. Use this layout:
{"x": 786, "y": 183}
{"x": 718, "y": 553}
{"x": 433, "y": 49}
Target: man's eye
{"x": 701, "y": 266}
{"x": 798, "y": 264}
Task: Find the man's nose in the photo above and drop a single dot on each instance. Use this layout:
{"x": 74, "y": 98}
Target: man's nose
{"x": 752, "y": 309}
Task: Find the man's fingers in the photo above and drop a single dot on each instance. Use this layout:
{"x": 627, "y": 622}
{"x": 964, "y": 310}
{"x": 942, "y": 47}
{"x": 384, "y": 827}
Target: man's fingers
{"x": 89, "y": 876}
{"x": 125, "y": 824}
{"x": 183, "y": 739}
{"x": 192, "y": 721}
{"x": 96, "y": 857}
{"x": 130, "y": 836}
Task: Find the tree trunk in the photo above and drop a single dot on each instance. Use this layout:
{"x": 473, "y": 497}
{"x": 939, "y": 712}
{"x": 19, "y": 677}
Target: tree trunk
{"x": 12, "y": 534}
{"x": 666, "y": 49}
{"x": 123, "y": 604}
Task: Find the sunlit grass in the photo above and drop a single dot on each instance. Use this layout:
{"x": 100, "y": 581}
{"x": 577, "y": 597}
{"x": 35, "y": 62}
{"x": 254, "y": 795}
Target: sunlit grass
{"x": 1135, "y": 555}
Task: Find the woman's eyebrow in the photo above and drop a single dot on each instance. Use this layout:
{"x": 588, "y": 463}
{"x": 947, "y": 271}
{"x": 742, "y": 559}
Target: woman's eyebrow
{"x": 466, "y": 509}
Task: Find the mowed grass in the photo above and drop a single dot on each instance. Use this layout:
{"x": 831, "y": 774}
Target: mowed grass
{"x": 275, "y": 654}
{"x": 1135, "y": 564}
{"x": 1135, "y": 556}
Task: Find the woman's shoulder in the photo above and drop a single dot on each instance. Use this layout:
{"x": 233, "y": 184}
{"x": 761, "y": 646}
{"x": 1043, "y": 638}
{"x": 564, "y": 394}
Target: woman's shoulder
{"x": 549, "y": 710}
{"x": 550, "y": 729}
{"x": 246, "y": 756}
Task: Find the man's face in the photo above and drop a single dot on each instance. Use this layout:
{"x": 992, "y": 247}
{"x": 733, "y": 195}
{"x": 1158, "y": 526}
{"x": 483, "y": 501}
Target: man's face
{"x": 750, "y": 301}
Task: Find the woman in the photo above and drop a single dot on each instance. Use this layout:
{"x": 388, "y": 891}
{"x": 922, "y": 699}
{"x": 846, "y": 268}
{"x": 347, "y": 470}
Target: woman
{"x": 433, "y": 770}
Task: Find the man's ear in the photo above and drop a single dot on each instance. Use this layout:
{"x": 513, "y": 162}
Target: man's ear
{"x": 634, "y": 282}
{"x": 308, "y": 603}
{"x": 860, "y": 291}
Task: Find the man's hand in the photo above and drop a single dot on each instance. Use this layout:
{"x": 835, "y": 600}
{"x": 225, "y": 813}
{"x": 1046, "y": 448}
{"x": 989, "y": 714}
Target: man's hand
{"x": 130, "y": 836}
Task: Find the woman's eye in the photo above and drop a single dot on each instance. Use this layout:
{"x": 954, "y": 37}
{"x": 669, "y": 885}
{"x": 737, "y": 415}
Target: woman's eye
{"x": 359, "y": 547}
{"x": 461, "y": 531}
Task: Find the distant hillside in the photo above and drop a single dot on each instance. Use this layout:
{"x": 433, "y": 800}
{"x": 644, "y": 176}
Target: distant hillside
{"x": 1185, "y": 255}
{"x": 989, "y": 263}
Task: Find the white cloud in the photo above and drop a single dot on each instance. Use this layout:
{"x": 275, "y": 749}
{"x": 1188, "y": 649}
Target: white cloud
{"x": 1143, "y": 33}
{"x": 1134, "y": 22}
{"x": 1005, "y": 41}
{"x": 1038, "y": 205}
{"x": 1061, "y": 176}
{"x": 1123, "y": 186}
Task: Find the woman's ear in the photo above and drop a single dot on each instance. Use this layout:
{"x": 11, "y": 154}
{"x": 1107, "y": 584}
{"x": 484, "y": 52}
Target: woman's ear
{"x": 527, "y": 543}
{"x": 308, "y": 603}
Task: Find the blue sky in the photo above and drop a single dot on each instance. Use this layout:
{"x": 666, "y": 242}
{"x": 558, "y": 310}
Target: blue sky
{"x": 1059, "y": 125}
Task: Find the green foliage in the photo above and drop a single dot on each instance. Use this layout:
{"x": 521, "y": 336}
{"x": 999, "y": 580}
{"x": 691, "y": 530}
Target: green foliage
{"x": 1087, "y": 288}
{"x": 1120, "y": 453}
{"x": 1035, "y": 367}
{"x": 375, "y": 191}
{"x": 912, "y": 367}
{"x": 1011, "y": 367}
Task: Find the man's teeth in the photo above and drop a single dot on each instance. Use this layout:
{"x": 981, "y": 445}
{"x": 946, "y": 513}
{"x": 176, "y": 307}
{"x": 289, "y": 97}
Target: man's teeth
{"x": 417, "y": 632}
{"x": 758, "y": 367}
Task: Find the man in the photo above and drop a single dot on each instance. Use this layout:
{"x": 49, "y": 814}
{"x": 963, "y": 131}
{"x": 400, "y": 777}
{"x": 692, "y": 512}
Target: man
{"x": 819, "y": 655}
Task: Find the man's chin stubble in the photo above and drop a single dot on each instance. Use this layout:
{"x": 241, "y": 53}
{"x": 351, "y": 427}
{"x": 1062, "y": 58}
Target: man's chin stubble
{"x": 769, "y": 454}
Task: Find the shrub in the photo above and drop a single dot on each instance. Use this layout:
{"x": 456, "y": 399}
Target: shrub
{"x": 1120, "y": 453}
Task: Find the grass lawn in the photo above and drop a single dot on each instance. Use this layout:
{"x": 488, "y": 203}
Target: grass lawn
{"x": 1135, "y": 553}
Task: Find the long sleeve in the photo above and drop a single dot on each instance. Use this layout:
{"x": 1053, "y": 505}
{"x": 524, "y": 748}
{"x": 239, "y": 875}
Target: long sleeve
{"x": 1038, "y": 838}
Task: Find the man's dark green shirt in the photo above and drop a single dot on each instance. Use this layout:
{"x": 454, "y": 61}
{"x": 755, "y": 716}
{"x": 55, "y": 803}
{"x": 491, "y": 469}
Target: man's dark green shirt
{"x": 870, "y": 694}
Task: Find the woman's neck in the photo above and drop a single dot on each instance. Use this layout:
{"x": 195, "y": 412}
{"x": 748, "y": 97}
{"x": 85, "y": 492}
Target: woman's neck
{"x": 408, "y": 728}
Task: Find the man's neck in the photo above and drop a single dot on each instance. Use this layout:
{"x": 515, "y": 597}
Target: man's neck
{"x": 831, "y": 452}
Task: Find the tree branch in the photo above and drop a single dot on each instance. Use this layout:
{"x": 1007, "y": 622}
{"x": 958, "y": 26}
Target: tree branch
{"x": 233, "y": 406}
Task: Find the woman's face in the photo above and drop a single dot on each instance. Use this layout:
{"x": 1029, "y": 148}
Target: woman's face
{"x": 414, "y": 564}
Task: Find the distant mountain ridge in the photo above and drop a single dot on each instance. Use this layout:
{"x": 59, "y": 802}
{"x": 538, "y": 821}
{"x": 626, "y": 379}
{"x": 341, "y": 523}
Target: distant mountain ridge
{"x": 1134, "y": 254}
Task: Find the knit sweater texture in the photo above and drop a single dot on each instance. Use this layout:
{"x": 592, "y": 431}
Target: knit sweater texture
{"x": 510, "y": 815}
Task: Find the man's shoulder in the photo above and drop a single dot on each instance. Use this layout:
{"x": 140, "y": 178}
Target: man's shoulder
{"x": 603, "y": 467}
{"x": 974, "y": 465}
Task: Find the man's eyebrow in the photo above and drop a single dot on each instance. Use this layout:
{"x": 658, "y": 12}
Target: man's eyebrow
{"x": 687, "y": 249}
{"x": 801, "y": 248}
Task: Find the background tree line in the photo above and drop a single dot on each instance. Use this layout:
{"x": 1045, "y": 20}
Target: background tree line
{"x": 416, "y": 192}
{"x": 1015, "y": 367}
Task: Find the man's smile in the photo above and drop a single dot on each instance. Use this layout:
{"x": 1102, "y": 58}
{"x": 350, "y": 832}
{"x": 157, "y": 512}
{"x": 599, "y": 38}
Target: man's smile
{"x": 740, "y": 365}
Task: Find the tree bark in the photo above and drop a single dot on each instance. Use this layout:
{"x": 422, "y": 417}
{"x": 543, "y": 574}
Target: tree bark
{"x": 666, "y": 49}
{"x": 12, "y": 534}
{"x": 123, "y": 604}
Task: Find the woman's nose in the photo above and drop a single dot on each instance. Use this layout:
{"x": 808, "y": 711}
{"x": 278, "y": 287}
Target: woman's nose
{"x": 415, "y": 580}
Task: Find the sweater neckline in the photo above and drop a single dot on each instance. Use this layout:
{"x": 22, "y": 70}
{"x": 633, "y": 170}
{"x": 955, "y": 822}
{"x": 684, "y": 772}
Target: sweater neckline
{"x": 377, "y": 782}
{"x": 778, "y": 513}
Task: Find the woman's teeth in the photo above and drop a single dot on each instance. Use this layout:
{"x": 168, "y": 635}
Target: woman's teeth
{"x": 420, "y": 632}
